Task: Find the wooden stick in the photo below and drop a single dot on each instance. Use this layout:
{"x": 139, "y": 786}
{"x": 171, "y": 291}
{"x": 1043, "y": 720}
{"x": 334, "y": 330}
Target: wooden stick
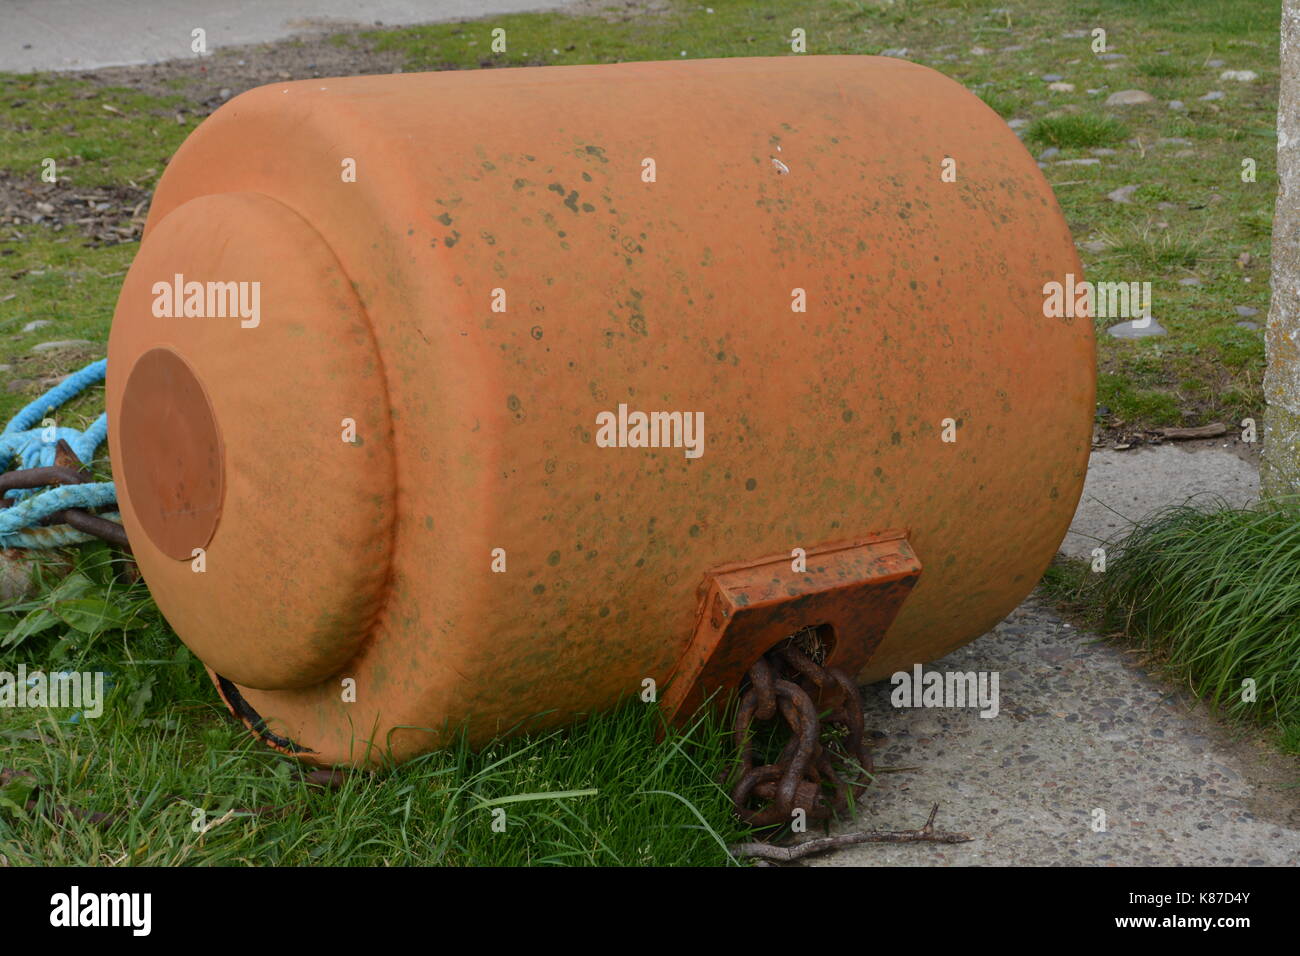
{"x": 1204, "y": 431}
{"x": 788, "y": 854}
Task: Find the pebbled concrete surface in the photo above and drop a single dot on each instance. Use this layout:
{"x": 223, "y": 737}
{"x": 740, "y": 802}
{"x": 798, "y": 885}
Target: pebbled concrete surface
{"x": 1123, "y": 486}
{"x": 88, "y": 34}
{"x": 1083, "y": 726}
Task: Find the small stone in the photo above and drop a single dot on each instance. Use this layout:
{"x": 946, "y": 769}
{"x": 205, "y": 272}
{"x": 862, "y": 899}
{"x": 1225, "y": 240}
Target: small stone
{"x": 1241, "y": 76}
{"x": 1249, "y": 326}
{"x": 1166, "y": 206}
{"x": 1049, "y": 152}
{"x": 1128, "y": 330}
{"x": 1213, "y": 95}
{"x": 37, "y": 324}
{"x": 1017, "y": 123}
{"x": 1123, "y": 195}
{"x": 1214, "y": 64}
{"x": 1189, "y": 280}
{"x": 1185, "y": 154}
{"x": 1177, "y": 105}
{"x": 1079, "y": 162}
{"x": 225, "y": 93}
{"x": 897, "y": 51}
{"x": 1094, "y": 246}
{"x": 1104, "y": 151}
{"x": 1129, "y": 98}
{"x": 1112, "y": 56}
{"x": 1051, "y": 77}
{"x": 61, "y": 344}
{"x": 1061, "y": 87}
{"x": 1074, "y": 34}
{"x": 1246, "y": 311}
{"x": 978, "y": 51}
{"x": 1173, "y": 141}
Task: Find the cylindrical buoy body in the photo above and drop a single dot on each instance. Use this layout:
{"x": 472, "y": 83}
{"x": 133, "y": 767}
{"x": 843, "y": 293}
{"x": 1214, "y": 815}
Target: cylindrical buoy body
{"x": 375, "y": 373}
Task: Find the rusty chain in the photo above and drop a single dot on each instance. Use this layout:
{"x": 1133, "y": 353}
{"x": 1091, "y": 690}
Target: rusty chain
{"x": 66, "y": 470}
{"x": 790, "y": 679}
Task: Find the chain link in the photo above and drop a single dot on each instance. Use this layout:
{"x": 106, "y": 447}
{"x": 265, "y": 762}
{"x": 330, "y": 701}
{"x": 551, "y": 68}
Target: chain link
{"x": 788, "y": 680}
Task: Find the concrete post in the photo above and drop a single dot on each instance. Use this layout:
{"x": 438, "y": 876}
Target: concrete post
{"x": 1280, "y": 473}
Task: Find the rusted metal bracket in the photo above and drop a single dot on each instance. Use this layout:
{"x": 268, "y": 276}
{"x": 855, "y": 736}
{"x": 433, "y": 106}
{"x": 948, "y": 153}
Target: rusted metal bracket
{"x": 850, "y": 590}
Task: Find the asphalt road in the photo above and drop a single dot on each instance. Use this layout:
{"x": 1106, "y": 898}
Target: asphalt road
{"x": 87, "y": 34}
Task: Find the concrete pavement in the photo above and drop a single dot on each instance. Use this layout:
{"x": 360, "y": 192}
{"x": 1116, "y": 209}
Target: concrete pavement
{"x": 1085, "y": 735}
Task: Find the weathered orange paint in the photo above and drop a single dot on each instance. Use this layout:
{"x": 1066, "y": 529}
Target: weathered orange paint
{"x": 476, "y": 429}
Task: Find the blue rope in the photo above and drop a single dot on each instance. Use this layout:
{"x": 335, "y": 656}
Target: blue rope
{"x": 55, "y": 535}
{"x": 33, "y": 447}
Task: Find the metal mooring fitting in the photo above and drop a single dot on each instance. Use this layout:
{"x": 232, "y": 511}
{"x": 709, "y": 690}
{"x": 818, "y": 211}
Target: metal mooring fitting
{"x": 572, "y": 378}
{"x": 851, "y": 590}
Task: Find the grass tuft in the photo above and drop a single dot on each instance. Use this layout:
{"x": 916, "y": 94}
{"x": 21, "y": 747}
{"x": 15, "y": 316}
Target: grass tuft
{"x": 1215, "y": 592}
{"x": 1159, "y": 251}
{"x": 1078, "y": 130}
{"x": 1163, "y": 67}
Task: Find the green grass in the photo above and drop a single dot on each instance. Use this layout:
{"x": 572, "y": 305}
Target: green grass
{"x": 603, "y": 793}
{"x": 1127, "y": 403}
{"x": 1163, "y": 67}
{"x": 1159, "y": 251}
{"x": 97, "y": 135}
{"x": 1078, "y": 131}
{"x": 1214, "y": 593}
{"x": 61, "y": 281}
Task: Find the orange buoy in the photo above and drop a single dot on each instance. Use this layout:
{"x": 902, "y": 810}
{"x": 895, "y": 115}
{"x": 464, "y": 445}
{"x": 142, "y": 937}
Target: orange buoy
{"x": 484, "y": 398}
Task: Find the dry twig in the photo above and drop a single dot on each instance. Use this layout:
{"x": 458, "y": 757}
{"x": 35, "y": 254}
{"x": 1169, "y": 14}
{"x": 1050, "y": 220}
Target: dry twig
{"x": 788, "y": 854}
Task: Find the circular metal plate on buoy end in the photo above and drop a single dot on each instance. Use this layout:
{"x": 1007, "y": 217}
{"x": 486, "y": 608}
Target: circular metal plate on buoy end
{"x": 172, "y": 456}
